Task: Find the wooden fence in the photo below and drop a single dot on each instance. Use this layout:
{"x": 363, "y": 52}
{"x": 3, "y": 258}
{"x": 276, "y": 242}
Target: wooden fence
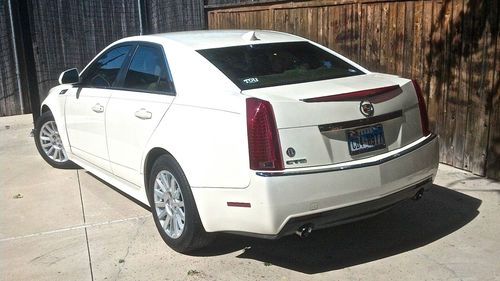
{"x": 11, "y": 98}
{"x": 451, "y": 47}
{"x": 53, "y": 35}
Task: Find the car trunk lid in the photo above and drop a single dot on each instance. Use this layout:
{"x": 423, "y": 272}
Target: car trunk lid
{"x": 322, "y": 122}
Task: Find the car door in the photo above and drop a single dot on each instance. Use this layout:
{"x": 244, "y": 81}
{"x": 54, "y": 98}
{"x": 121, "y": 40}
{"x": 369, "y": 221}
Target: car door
{"x": 86, "y": 106}
{"x": 133, "y": 113}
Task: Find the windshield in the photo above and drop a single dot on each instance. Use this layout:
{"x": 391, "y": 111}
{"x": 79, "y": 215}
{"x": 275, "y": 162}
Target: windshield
{"x": 266, "y": 65}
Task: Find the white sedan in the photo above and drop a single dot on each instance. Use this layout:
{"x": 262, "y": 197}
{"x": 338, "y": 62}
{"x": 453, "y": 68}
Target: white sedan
{"x": 260, "y": 133}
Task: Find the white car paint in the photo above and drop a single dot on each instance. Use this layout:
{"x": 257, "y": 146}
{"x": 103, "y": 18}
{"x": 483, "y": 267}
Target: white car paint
{"x": 204, "y": 127}
{"x": 85, "y": 127}
{"x": 126, "y": 107}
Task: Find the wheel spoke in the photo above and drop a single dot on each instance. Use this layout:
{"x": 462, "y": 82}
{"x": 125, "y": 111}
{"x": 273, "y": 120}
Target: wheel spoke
{"x": 64, "y": 155}
{"x": 178, "y": 204}
{"x": 53, "y": 126}
{"x": 46, "y": 131}
{"x": 169, "y": 226}
{"x": 50, "y": 130}
{"x": 163, "y": 214}
{"x": 50, "y": 151}
{"x": 180, "y": 221}
{"x": 173, "y": 182}
{"x": 181, "y": 213}
{"x": 177, "y": 226}
{"x": 159, "y": 193}
{"x": 176, "y": 194}
{"x": 161, "y": 185}
{"x": 45, "y": 138}
{"x": 45, "y": 145}
{"x": 160, "y": 204}
{"x": 164, "y": 180}
{"x": 60, "y": 155}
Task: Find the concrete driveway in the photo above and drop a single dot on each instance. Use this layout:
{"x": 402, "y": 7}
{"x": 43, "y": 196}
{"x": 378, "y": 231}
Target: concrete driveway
{"x": 68, "y": 225}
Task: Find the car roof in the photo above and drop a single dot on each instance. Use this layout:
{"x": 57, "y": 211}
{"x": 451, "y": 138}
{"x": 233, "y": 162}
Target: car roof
{"x": 208, "y": 39}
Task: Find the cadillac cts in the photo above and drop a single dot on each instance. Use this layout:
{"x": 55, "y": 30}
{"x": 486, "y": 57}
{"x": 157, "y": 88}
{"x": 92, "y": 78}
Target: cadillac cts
{"x": 259, "y": 133}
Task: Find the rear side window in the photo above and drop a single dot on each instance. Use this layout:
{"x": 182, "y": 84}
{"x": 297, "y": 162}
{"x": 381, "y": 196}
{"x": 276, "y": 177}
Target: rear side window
{"x": 104, "y": 71}
{"x": 266, "y": 65}
{"x": 148, "y": 71}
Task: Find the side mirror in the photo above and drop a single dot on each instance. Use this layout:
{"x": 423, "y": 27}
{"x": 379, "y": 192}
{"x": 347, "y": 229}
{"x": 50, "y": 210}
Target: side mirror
{"x": 69, "y": 76}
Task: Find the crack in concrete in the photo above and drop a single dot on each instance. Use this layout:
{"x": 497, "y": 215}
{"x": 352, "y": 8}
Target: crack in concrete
{"x": 442, "y": 265}
{"x": 85, "y": 229}
{"x": 42, "y": 256}
{"x": 128, "y": 248}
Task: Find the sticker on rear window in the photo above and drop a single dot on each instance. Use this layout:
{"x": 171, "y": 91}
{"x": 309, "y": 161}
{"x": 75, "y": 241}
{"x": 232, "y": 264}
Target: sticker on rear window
{"x": 251, "y": 80}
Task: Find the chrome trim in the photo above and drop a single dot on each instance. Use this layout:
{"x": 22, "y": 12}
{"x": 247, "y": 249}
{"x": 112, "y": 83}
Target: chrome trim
{"x": 342, "y": 167}
{"x": 360, "y": 122}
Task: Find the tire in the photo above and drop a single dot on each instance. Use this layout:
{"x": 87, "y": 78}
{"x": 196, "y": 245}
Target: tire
{"x": 166, "y": 175}
{"x": 49, "y": 144}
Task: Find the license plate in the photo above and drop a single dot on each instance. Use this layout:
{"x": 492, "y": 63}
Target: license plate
{"x": 365, "y": 139}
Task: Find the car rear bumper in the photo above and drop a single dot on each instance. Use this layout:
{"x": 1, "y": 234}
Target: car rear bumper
{"x": 280, "y": 202}
{"x": 349, "y": 213}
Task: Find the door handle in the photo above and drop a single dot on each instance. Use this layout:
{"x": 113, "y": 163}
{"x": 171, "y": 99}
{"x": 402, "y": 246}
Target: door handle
{"x": 143, "y": 114}
{"x": 98, "y": 108}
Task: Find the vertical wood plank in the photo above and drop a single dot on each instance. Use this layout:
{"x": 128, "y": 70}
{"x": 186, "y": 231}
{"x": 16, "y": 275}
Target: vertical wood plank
{"x": 417, "y": 46}
{"x": 357, "y": 30}
{"x": 363, "y": 30}
{"x": 349, "y": 30}
{"x": 322, "y": 25}
{"x": 459, "y": 91}
{"x": 433, "y": 60}
{"x": 333, "y": 29}
{"x": 375, "y": 47}
{"x": 491, "y": 93}
{"x": 475, "y": 95}
{"x": 384, "y": 37}
{"x": 426, "y": 49}
{"x": 400, "y": 37}
{"x": 446, "y": 150}
{"x": 280, "y": 18}
{"x": 392, "y": 38}
{"x": 453, "y": 62}
{"x": 408, "y": 40}
{"x": 9, "y": 103}
{"x": 466, "y": 83}
{"x": 369, "y": 36}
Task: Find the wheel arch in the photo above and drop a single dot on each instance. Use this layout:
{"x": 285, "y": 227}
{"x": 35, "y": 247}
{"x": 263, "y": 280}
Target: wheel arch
{"x": 45, "y": 108}
{"x": 150, "y": 159}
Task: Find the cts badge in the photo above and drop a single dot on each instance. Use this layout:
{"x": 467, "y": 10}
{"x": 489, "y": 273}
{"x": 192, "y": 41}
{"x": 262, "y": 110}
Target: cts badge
{"x": 366, "y": 108}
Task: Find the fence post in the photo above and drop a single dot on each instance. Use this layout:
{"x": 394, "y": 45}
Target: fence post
{"x": 16, "y": 60}
{"x": 141, "y": 31}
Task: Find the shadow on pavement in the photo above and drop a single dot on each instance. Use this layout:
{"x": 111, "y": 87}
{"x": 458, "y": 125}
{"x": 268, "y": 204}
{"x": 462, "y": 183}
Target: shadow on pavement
{"x": 129, "y": 197}
{"x": 405, "y": 227}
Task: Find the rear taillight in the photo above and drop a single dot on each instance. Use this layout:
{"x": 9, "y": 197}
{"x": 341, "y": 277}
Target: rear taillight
{"x": 424, "y": 119}
{"x": 263, "y": 141}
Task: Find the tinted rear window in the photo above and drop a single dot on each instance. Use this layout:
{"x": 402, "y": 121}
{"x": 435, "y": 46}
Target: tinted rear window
{"x": 266, "y": 65}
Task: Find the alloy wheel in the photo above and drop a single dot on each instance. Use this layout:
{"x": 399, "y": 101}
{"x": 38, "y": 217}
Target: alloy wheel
{"x": 51, "y": 143}
{"x": 169, "y": 204}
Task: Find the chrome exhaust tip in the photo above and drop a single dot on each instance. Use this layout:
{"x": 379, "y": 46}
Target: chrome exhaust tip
{"x": 419, "y": 194}
{"x": 304, "y": 231}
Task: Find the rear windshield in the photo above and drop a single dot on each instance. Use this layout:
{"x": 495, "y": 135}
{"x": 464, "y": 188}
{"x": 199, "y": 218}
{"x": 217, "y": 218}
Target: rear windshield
{"x": 266, "y": 65}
